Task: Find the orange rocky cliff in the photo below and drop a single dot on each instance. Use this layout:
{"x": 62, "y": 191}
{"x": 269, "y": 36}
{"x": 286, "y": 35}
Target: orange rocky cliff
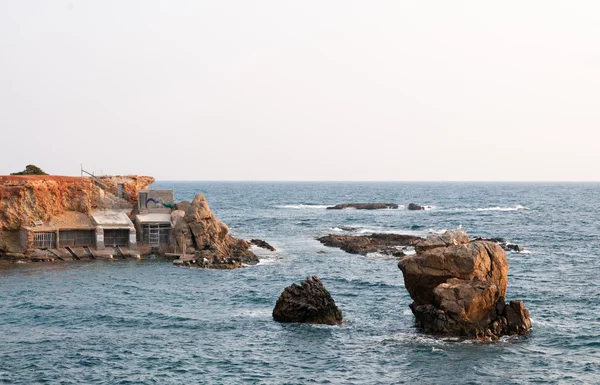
{"x": 26, "y": 199}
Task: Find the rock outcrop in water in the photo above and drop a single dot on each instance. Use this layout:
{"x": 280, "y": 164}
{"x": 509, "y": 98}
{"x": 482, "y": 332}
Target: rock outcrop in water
{"x": 309, "y": 302}
{"x": 459, "y": 287}
{"x": 364, "y": 206}
{"x": 197, "y": 230}
{"x": 414, "y": 207}
{"x": 389, "y": 244}
{"x": 262, "y": 244}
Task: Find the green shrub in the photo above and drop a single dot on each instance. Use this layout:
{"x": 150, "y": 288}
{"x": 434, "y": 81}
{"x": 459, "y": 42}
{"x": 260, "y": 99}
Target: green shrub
{"x": 30, "y": 169}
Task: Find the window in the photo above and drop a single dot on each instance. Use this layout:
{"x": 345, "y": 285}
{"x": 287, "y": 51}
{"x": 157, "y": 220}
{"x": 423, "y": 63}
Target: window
{"x": 116, "y": 237}
{"x": 44, "y": 240}
{"x": 76, "y": 238}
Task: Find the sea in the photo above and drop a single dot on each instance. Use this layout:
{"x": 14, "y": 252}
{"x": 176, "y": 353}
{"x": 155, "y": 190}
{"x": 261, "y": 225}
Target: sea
{"x": 150, "y": 322}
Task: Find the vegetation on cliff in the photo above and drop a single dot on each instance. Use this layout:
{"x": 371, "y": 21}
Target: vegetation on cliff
{"x": 30, "y": 169}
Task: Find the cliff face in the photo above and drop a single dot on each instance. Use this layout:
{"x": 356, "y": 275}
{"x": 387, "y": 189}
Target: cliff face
{"x": 25, "y": 199}
{"x": 131, "y": 185}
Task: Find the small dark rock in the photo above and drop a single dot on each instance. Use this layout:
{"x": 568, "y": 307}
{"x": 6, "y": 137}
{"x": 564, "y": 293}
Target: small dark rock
{"x": 502, "y": 242}
{"x": 309, "y": 302}
{"x": 414, "y": 206}
{"x": 262, "y": 244}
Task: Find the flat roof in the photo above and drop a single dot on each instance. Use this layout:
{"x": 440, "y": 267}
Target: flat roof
{"x": 69, "y": 220}
{"x": 112, "y": 218}
{"x": 154, "y": 218}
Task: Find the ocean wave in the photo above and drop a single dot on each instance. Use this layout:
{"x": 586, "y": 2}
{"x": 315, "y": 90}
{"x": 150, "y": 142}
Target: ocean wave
{"x": 421, "y": 231}
{"x": 498, "y": 208}
{"x": 270, "y": 260}
{"x": 494, "y": 208}
{"x": 524, "y": 252}
{"x": 302, "y": 207}
{"x": 377, "y": 255}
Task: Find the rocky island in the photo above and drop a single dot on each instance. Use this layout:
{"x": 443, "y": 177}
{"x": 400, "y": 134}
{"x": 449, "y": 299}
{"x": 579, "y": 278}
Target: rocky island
{"x": 309, "y": 302}
{"x": 458, "y": 288}
{"x": 389, "y": 244}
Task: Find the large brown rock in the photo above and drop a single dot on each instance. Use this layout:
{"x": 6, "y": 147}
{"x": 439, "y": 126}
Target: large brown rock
{"x": 458, "y": 288}
{"x": 309, "y": 302}
{"x": 203, "y": 235}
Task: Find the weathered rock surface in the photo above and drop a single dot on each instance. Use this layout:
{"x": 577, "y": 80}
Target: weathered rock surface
{"x": 458, "y": 288}
{"x": 204, "y": 236}
{"x": 309, "y": 302}
{"x": 262, "y": 244}
{"x": 363, "y": 244}
{"x": 414, "y": 206}
{"x": 364, "y": 206}
{"x": 25, "y": 199}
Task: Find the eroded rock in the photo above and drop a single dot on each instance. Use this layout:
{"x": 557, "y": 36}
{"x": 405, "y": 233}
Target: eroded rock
{"x": 309, "y": 302}
{"x": 262, "y": 244}
{"x": 458, "y": 288}
{"x": 202, "y": 235}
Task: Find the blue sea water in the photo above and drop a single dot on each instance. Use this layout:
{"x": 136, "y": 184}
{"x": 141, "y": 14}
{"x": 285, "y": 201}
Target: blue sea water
{"x": 148, "y": 322}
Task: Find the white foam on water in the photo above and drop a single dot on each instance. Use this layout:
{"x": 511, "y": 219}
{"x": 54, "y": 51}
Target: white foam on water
{"x": 302, "y": 207}
{"x": 269, "y": 259}
{"x": 360, "y": 230}
{"x": 409, "y": 251}
{"x": 377, "y": 255}
{"x": 494, "y": 208}
{"x": 498, "y": 208}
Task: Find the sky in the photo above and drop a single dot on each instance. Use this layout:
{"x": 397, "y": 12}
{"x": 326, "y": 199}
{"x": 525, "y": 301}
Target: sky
{"x": 302, "y": 90}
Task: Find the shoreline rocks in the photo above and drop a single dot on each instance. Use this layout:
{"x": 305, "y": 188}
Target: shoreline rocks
{"x": 364, "y": 206}
{"x": 206, "y": 239}
{"x": 389, "y": 244}
{"x": 414, "y": 207}
{"x": 262, "y": 244}
{"x": 309, "y": 302}
{"x": 458, "y": 288}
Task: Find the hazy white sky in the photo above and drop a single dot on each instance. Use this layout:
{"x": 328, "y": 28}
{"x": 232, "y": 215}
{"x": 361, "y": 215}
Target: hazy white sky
{"x": 302, "y": 90}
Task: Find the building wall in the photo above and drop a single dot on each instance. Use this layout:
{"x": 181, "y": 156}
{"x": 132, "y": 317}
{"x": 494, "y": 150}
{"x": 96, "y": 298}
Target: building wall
{"x": 165, "y": 196}
{"x": 26, "y": 239}
{"x": 100, "y": 241}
